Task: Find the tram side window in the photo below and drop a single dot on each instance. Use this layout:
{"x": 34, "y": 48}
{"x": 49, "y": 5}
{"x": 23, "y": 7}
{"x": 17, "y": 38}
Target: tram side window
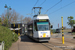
{"x": 49, "y": 25}
{"x": 30, "y": 27}
{"x": 35, "y": 27}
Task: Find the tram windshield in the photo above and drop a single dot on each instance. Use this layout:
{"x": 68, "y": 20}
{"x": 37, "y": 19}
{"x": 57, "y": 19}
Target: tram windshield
{"x": 42, "y": 26}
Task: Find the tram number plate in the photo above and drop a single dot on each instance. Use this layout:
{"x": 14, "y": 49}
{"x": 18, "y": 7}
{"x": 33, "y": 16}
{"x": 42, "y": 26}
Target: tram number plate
{"x": 44, "y": 34}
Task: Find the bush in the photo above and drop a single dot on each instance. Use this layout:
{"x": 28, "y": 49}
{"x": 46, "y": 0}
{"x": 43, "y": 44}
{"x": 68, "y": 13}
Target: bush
{"x": 7, "y": 36}
{"x": 73, "y": 33}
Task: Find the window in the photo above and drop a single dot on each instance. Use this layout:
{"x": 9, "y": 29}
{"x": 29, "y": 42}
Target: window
{"x": 30, "y": 27}
{"x": 35, "y": 27}
{"x": 42, "y": 26}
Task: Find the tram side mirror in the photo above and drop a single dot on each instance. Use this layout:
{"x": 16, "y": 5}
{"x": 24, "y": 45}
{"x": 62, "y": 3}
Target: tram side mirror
{"x": 51, "y": 26}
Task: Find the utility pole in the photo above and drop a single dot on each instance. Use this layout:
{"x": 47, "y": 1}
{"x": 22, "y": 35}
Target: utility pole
{"x": 62, "y": 30}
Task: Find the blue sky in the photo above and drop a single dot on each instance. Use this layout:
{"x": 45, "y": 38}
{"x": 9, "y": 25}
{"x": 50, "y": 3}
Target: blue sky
{"x": 24, "y": 7}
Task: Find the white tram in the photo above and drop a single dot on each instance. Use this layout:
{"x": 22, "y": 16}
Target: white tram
{"x": 39, "y": 28}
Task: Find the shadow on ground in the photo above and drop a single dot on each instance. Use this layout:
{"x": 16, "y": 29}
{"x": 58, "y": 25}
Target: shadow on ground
{"x": 74, "y": 49}
{"x": 69, "y": 32}
{"x": 25, "y": 38}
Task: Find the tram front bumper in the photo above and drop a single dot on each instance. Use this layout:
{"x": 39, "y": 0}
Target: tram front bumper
{"x": 43, "y": 39}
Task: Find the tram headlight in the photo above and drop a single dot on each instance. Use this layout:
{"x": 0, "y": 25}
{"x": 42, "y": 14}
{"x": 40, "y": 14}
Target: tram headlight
{"x": 47, "y": 35}
{"x": 40, "y": 36}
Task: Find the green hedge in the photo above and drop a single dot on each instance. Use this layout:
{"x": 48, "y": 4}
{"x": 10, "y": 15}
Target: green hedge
{"x": 7, "y": 36}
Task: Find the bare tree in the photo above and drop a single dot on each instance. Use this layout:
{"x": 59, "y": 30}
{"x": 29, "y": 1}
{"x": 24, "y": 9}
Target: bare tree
{"x": 13, "y": 16}
{"x": 27, "y": 19}
{"x": 21, "y": 18}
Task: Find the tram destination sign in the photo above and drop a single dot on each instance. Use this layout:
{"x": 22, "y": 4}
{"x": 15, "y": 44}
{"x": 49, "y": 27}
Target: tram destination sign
{"x": 42, "y": 20}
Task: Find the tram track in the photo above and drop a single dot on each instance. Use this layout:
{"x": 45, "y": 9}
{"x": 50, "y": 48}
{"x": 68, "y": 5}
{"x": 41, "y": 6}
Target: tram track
{"x": 46, "y": 46}
{"x": 67, "y": 40}
{"x": 57, "y": 46}
{"x": 51, "y": 46}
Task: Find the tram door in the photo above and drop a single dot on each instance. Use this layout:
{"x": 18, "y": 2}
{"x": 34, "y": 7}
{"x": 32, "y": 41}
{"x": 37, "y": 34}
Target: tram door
{"x": 22, "y": 29}
{"x": 25, "y": 29}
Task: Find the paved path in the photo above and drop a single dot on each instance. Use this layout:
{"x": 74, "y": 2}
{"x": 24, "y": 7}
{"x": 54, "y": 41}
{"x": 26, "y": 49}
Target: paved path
{"x": 27, "y": 44}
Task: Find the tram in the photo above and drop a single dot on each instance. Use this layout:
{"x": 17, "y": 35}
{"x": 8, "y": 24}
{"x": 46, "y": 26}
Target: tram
{"x": 39, "y": 28}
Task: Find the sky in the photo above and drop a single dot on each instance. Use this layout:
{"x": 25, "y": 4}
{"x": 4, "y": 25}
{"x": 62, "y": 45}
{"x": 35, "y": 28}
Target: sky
{"x": 24, "y": 7}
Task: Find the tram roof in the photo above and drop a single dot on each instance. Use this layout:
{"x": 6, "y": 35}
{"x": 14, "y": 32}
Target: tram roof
{"x": 40, "y": 15}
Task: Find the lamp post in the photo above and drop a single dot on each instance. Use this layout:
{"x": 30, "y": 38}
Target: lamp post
{"x": 8, "y": 8}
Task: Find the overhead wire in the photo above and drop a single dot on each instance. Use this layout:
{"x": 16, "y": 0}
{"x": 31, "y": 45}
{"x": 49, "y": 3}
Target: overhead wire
{"x": 52, "y": 6}
{"x": 42, "y": 3}
{"x": 36, "y": 3}
{"x": 62, "y": 7}
{"x": 32, "y": 8}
